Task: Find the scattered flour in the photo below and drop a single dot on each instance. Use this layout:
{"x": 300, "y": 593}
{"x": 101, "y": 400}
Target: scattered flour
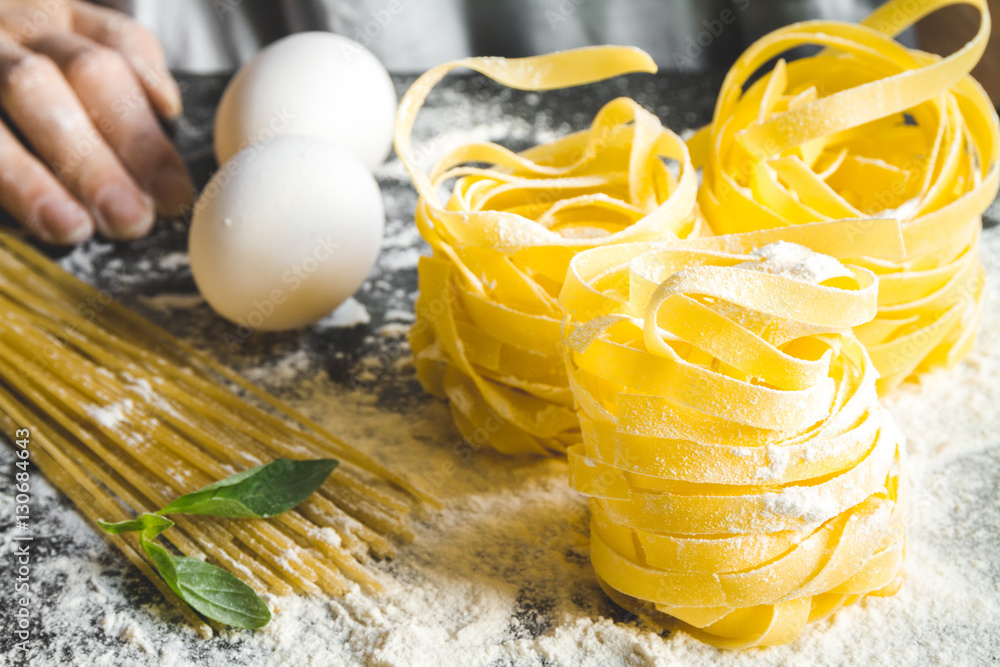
{"x": 794, "y": 261}
{"x": 174, "y": 261}
{"x": 80, "y": 260}
{"x": 110, "y": 416}
{"x": 394, "y": 330}
{"x": 777, "y": 462}
{"x": 351, "y": 313}
{"x": 501, "y": 575}
{"x": 400, "y": 315}
{"x": 398, "y": 259}
{"x": 281, "y": 370}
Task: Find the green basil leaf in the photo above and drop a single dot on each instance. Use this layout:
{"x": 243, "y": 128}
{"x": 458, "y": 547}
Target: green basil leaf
{"x": 150, "y": 525}
{"x": 219, "y": 595}
{"x": 258, "y": 493}
{"x": 130, "y": 526}
{"x": 210, "y": 590}
{"x": 153, "y": 525}
{"x": 164, "y": 564}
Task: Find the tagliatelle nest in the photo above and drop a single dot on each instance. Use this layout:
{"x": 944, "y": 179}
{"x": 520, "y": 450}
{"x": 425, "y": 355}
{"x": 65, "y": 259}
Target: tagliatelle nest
{"x": 743, "y": 477}
{"x": 487, "y": 330}
{"x": 867, "y": 127}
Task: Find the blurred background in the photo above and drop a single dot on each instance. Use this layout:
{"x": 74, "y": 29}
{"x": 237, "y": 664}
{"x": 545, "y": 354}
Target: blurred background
{"x": 204, "y": 36}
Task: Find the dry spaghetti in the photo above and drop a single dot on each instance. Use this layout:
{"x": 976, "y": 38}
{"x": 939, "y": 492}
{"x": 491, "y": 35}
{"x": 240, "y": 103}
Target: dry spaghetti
{"x": 124, "y": 418}
{"x": 487, "y": 334}
{"x": 743, "y": 478}
{"x": 867, "y": 127}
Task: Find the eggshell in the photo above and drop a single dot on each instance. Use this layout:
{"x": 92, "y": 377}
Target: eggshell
{"x": 309, "y": 84}
{"x": 285, "y": 232}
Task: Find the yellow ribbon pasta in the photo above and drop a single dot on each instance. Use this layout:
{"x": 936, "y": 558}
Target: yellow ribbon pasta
{"x": 743, "y": 478}
{"x": 867, "y": 127}
{"x": 487, "y": 333}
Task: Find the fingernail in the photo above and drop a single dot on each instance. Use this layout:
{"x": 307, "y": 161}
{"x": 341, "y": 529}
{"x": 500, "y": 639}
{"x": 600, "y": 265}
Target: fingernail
{"x": 172, "y": 189}
{"x": 123, "y": 213}
{"x": 62, "y": 222}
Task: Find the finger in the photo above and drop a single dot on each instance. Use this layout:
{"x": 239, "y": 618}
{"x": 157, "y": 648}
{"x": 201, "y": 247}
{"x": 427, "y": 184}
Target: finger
{"x": 33, "y": 196}
{"x": 39, "y": 101}
{"x": 117, "y": 104}
{"x": 140, "y": 48}
{"x": 22, "y": 21}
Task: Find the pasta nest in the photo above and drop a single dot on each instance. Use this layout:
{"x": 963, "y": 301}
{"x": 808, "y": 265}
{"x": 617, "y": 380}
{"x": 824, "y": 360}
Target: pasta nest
{"x": 866, "y": 127}
{"x": 487, "y": 330}
{"x": 743, "y": 478}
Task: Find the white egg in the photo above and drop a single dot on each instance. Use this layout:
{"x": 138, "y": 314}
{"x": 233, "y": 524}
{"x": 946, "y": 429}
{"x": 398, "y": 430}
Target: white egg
{"x": 285, "y": 232}
{"x": 310, "y": 84}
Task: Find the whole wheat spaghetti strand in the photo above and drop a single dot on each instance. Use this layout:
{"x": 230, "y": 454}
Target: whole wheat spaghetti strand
{"x": 10, "y": 418}
{"x": 162, "y": 498}
{"x": 209, "y": 536}
{"x": 304, "y": 581}
{"x": 350, "y": 531}
{"x": 163, "y": 348}
{"x": 130, "y": 418}
{"x": 300, "y": 452}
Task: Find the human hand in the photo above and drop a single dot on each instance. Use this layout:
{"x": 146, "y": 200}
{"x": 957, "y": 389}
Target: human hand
{"x": 81, "y": 147}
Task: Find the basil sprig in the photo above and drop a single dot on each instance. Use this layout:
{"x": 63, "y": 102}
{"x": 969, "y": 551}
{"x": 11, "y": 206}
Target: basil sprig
{"x": 262, "y": 492}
